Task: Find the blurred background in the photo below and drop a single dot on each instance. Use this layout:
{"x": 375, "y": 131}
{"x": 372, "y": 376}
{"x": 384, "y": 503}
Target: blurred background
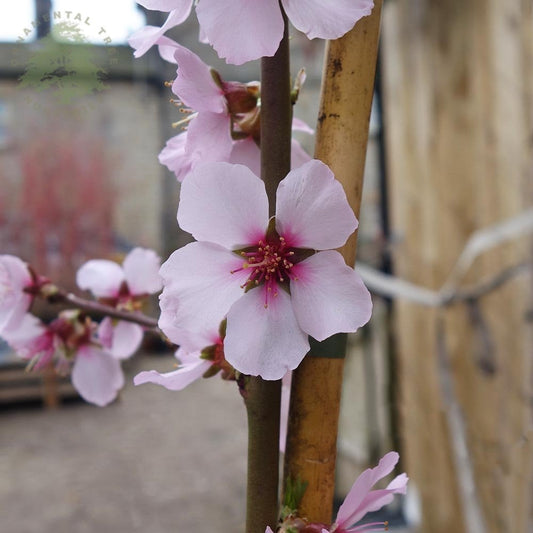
{"x": 442, "y": 373}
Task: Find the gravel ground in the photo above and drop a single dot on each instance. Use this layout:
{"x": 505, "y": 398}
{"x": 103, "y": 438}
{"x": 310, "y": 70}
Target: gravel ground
{"x": 155, "y": 461}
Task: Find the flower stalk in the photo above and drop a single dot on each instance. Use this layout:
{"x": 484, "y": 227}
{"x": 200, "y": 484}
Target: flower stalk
{"x": 262, "y": 397}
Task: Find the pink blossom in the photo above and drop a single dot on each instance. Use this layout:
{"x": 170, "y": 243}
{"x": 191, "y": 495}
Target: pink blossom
{"x": 32, "y": 341}
{"x": 15, "y": 301}
{"x": 204, "y": 357}
{"x": 240, "y": 30}
{"x": 222, "y": 118}
{"x": 123, "y": 287}
{"x": 265, "y": 277}
{"x": 69, "y": 343}
{"x": 361, "y": 499}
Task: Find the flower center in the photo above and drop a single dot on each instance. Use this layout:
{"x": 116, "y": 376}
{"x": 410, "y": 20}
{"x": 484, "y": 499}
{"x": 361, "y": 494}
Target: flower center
{"x": 270, "y": 263}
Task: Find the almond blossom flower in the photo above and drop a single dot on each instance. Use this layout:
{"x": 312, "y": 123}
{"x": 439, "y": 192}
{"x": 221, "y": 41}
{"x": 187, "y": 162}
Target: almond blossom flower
{"x": 361, "y": 499}
{"x": 264, "y": 276}
{"x": 203, "y": 356}
{"x": 66, "y": 342}
{"x": 123, "y": 288}
{"x": 15, "y": 300}
{"x": 241, "y": 31}
{"x": 222, "y": 118}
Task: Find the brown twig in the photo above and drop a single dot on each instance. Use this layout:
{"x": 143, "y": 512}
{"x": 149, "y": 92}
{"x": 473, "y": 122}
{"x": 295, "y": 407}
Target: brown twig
{"x": 55, "y": 295}
{"x": 263, "y": 398}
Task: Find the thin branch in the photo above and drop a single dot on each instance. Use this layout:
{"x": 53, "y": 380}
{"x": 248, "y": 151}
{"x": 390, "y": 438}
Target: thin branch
{"x": 59, "y": 296}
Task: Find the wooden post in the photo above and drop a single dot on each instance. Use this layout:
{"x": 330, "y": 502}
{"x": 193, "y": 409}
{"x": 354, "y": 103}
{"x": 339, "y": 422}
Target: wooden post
{"x": 342, "y": 135}
{"x": 459, "y": 124}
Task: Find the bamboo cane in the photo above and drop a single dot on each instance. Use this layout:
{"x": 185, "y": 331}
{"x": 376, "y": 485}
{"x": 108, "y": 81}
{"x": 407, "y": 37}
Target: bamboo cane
{"x": 342, "y": 135}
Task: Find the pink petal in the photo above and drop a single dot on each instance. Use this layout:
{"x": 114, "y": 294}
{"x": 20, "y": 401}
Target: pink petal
{"x": 224, "y": 204}
{"x": 126, "y": 337}
{"x": 96, "y": 375}
{"x": 352, "y": 509}
{"x": 326, "y": 19}
{"x": 208, "y": 138}
{"x": 376, "y": 499}
{"x": 105, "y": 333}
{"x": 14, "y": 302}
{"x": 189, "y": 341}
{"x": 164, "y": 5}
{"x": 173, "y": 156}
{"x": 240, "y": 30}
{"x": 329, "y": 297}
{"x": 195, "y": 85}
{"x": 176, "y": 380}
{"x": 399, "y": 484}
{"x": 28, "y": 328}
{"x": 141, "y": 270}
{"x": 100, "y": 276}
{"x": 166, "y": 48}
{"x": 142, "y": 40}
{"x": 199, "y": 286}
{"x": 167, "y": 317}
{"x": 261, "y": 341}
{"x": 312, "y": 210}
{"x": 246, "y": 152}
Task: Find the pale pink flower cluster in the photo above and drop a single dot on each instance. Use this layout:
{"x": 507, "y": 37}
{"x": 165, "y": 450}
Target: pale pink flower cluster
{"x": 221, "y": 118}
{"x": 123, "y": 287}
{"x": 240, "y": 30}
{"x": 72, "y": 342}
{"x": 360, "y": 500}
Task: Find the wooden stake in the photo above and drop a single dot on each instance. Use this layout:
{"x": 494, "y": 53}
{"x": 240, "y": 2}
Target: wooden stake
{"x": 342, "y": 135}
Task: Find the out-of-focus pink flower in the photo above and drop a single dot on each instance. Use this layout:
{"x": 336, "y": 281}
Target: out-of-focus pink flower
{"x": 266, "y": 278}
{"x": 69, "y": 344}
{"x": 362, "y": 499}
{"x": 123, "y": 287}
{"x": 178, "y": 11}
{"x": 240, "y": 30}
{"x": 15, "y": 277}
{"x": 32, "y": 341}
{"x": 222, "y": 118}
